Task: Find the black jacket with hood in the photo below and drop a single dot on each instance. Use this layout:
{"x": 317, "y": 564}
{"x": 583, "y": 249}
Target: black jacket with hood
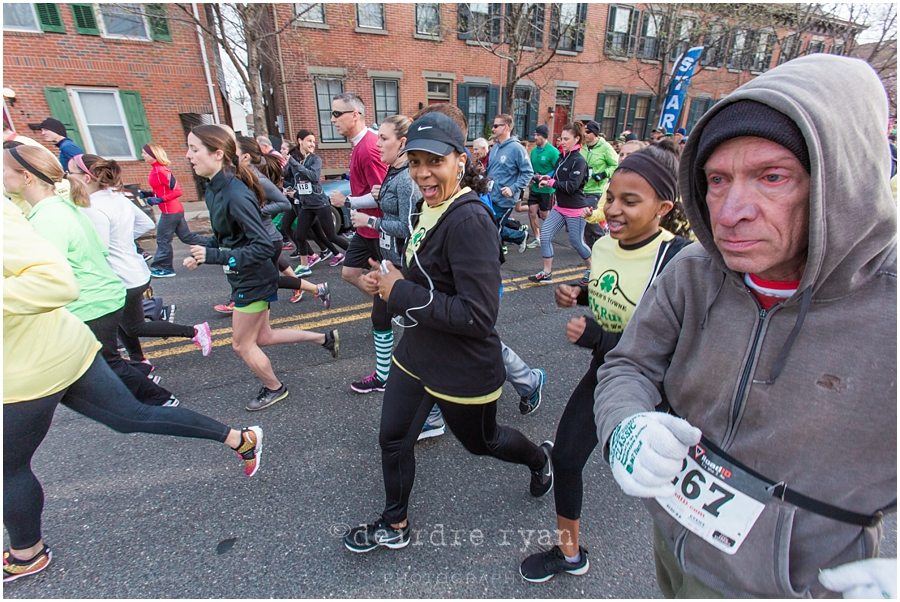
{"x": 804, "y": 393}
{"x": 454, "y": 349}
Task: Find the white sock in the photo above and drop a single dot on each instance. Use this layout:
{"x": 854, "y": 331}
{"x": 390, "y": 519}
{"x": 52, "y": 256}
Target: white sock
{"x": 573, "y": 559}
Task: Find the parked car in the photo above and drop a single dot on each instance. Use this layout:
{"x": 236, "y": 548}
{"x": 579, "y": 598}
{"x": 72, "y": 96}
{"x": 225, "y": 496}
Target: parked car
{"x": 340, "y": 216}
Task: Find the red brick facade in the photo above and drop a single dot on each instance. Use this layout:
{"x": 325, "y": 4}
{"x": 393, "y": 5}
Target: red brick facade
{"x": 168, "y": 75}
{"x": 340, "y": 49}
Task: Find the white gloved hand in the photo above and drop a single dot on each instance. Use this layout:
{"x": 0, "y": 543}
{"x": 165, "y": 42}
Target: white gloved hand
{"x": 871, "y": 578}
{"x": 646, "y": 451}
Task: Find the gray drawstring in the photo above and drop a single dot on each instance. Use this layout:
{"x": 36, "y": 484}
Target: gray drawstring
{"x": 713, "y": 300}
{"x": 781, "y": 360}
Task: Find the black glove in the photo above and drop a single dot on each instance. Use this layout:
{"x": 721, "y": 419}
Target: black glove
{"x": 599, "y": 177}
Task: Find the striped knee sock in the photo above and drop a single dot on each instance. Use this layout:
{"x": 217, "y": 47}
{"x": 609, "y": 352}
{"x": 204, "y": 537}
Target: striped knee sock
{"x": 384, "y": 347}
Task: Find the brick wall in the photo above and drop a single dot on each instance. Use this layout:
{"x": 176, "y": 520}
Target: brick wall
{"x": 168, "y": 75}
{"x": 341, "y": 45}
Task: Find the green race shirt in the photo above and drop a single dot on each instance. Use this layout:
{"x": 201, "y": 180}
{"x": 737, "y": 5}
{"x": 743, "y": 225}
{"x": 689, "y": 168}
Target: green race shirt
{"x": 543, "y": 160}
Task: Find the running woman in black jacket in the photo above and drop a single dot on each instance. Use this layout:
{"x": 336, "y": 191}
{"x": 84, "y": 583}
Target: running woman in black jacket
{"x": 243, "y": 246}
{"x": 447, "y": 297}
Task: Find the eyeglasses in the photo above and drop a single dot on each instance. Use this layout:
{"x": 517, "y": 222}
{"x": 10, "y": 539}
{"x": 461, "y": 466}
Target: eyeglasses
{"x": 337, "y": 114}
{"x": 497, "y": 125}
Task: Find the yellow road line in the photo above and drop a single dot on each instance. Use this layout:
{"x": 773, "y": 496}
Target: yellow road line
{"x": 338, "y": 315}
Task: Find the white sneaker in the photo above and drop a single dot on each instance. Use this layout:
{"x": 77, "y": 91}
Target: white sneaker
{"x": 535, "y": 243}
{"x": 431, "y": 430}
{"x": 203, "y": 338}
{"x": 172, "y": 403}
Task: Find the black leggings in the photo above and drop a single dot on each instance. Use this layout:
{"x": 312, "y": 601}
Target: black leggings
{"x": 147, "y": 391}
{"x": 133, "y": 324}
{"x": 305, "y": 219}
{"x": 99, "y": 395}
{"x": 576, "y": 438}
{"x": 403, "y": 412}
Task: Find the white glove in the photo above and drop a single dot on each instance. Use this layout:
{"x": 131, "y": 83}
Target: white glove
{"x": 871, "y": 578}
{"x": 646, "y": 452}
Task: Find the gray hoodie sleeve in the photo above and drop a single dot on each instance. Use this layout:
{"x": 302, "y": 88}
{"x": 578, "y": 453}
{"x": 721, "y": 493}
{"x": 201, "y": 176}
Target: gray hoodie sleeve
{"x": 407, "y": 195}
{"x": 526, "y": 171}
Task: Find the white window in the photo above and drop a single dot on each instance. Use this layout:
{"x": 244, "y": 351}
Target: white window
{"x": 476, "y": 112}
{"x": 387, "y": 99}
{"x": 102, "y": 123}
{"x": 370, "y": 15}
{"x": 438, "y": 91}
{"x": 326, "y": 89}
{"x": 20, "y": 17}
{"x": 428, "y": 19}
{"x": 124, "y": 21}
{"x": 310, "y": 12}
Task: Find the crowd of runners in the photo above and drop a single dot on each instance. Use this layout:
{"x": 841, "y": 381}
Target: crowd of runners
{"x": 740, "y": 282}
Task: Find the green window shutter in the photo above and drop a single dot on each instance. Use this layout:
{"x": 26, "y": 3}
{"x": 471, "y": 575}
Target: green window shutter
{"x": 49, "y": 17}
{"x": 534, "y": 107}
{"x": 538, "y": 25}
{"x": 610, "y": 24}
{"x": 601, "y": 105}
{"x": 633, "y": 25}
{"x": 582, "y": 24}
{"x": 137, "y": 119}
{"x": 85, "y": 19}
{"x": 651, "y": 117}
{"x": 493, "y": 103}
{"x": 159, "y": 25}
{"x": 462, "y": 98}
{"x": 60, "y": 108}
{"x": 620, "y": 116}
{"x": 496, "y": 15}
{"x": 632, "y": 108}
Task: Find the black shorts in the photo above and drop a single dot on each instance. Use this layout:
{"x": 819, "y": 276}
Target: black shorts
{"x": 544, "y": 200}
{"x": 360, "y": 250}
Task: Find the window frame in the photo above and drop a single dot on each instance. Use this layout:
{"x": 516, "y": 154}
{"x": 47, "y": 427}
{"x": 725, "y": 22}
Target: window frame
{"x": 719, "y": 46}
{"x": 629, "y": 42}
{"x": 479, "y": 133}
{"x": 611, "y": 117}
{"x": 104, "y": 32}
{"x": 327, "y": 110}
{"x": 681, "y": 44}
{"x": 746, "y": 40}
{"x": 645, "y": 120}
{"x": 654, "y": 52}
{"x": 525, "y": 114}
{"x": 789, "y": 47}
{"x": 429, "y": 95}
{"x": 761, "y": 59}
{"x": 359, "y": 23}
{"x": 85, "y": 129}
{"x": 34, "y": 14}
{"x": 480, "y": 34}
{"x": 302, "y": 20}
{"x": 376, "y": 109}
{"x": 576, "y": 35}
{"x": 820, "y": 45}
{"x": 437, "y": 9}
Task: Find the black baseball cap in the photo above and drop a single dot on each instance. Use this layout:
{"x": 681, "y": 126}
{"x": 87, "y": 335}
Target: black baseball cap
{"x": 435, "y": 133}
{"x": 54, "y": 125}
{"x": 542, "y": 130}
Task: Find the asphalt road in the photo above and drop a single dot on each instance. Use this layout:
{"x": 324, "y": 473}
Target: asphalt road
{"x": 139, "y": 516}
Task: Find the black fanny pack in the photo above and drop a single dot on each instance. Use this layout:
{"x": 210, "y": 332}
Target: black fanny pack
{"x": 781, "y": 491}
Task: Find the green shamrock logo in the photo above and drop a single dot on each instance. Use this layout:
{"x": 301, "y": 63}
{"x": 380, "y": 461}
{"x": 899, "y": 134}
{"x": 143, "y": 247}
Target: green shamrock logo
{"x": 607, "y": 283}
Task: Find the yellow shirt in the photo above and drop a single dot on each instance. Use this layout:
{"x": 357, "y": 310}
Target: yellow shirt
{"x": 619, "y": 278}
{"x": 45, "y": 348}
{"x": 427, "y": 219}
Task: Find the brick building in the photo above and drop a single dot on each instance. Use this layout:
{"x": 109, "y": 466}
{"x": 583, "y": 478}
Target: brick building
{"x": 399, "y": 57}
{"x": 117, "y": 78}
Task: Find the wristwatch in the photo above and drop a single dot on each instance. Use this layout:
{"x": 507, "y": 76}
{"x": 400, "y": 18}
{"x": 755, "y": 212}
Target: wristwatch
{"x": 372, "y": 222}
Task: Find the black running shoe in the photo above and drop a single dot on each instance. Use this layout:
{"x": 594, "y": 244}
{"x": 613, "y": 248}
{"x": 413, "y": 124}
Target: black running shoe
{"x": 332, "y": 342}
{"x": 267, "y": 397}
{"x": 543, "y": 566}
{"x": 366, "y": 538}
{"x": 542, "y": 480}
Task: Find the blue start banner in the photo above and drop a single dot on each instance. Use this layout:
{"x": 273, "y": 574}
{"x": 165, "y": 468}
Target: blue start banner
{"x": 678, "y": 87}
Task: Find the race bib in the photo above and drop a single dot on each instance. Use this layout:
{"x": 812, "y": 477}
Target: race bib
{"x": 715, "y": 500}
{"x": 385, "y": 240}
{"x": 304, "y": 188}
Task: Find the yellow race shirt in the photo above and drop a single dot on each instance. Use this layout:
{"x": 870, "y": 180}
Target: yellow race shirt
{"x": 619, "y": 278}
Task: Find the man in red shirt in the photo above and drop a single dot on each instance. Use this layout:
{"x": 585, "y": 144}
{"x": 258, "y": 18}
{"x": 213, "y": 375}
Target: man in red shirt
{"x": 366, "y": 170}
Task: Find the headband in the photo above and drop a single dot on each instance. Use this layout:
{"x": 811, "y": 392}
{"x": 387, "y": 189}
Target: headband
{"x": 21, "y": 161}
{"x": 80, "y": 164}
{"x": 661, "y": 178}
{"x": 146, "y": 149}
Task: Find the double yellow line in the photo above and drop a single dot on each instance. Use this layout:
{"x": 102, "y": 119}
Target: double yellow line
{"x": 318, "y": 319}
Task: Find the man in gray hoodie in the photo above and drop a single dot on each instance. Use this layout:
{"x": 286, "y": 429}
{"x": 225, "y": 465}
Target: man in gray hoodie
{"x": 752, "y": 399}
{"x": 509, "y": 168}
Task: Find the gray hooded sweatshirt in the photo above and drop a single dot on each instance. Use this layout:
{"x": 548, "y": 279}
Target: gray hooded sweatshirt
{"x": 803, "y": 393}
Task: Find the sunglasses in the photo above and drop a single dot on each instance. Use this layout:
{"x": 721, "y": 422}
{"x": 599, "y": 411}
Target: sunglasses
{"x": 497, "y": 125}
{"x": 337, "y": 114}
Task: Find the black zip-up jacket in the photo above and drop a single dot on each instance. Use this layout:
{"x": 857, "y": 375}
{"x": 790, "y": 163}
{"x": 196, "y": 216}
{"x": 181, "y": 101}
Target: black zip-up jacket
{"x": 307, "y": 170}
{"x": 454, "y": 349}
{"x": 571, "y": 173}
{"x": 241, "y": 241}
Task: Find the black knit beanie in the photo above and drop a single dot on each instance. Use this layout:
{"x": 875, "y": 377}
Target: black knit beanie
{"x": 751, "y": 118}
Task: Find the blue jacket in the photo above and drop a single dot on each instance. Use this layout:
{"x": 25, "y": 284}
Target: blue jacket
{"x": 67, "y": 150}
{"x": 508, "y": 165}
